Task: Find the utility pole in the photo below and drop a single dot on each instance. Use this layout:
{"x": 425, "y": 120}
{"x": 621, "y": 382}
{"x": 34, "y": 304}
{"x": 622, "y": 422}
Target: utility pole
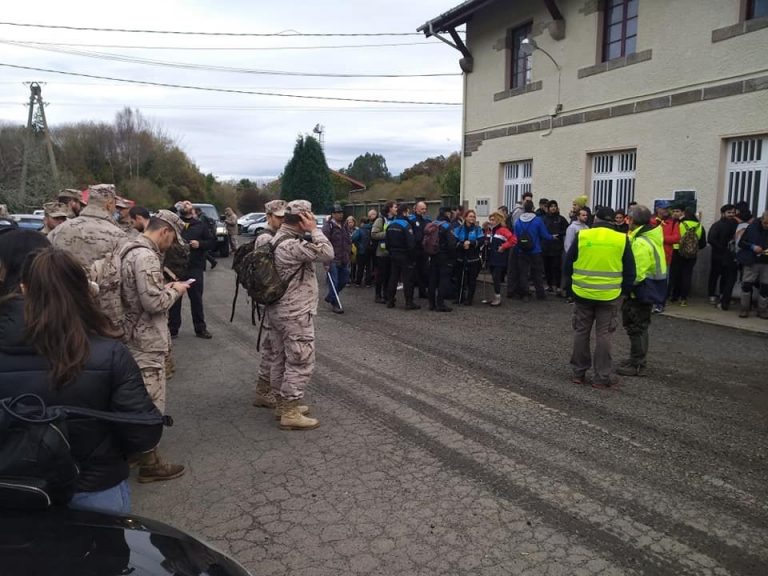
{"x": 36, "y": 123}
{"x": 319, "y": 129}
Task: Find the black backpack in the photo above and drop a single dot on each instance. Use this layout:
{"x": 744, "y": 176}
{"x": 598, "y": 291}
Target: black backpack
{"x": 525, "y": 241}
{"x": 37, "y": 469}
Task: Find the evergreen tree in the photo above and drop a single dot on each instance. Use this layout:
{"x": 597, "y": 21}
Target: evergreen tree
{"x": 368, "y": 168}
{"x": 306, "y": 175}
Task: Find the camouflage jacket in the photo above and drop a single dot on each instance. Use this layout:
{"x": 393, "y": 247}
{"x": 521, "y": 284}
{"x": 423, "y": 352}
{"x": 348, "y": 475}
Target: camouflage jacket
{"x": 146, "y": 302}
{"x": 301, "y": 297}
{"x": 89, "y": 237}
{"x": 126, "y": 226}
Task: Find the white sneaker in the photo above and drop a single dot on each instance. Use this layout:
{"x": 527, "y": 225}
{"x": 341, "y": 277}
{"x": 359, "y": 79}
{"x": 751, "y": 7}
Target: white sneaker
{"x": 713, "y": 300}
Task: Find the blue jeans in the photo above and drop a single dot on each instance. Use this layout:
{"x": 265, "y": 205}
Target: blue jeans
{"x": 116, "y": 499}
{"x": 340, "y": 276}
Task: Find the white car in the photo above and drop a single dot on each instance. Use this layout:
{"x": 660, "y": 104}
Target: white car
{"x": 244, "y": 221}
{"x": 256, "y": 225}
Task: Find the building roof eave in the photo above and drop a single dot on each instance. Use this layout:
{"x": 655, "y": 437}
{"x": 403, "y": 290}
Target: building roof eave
{"x": 454, "y": 17}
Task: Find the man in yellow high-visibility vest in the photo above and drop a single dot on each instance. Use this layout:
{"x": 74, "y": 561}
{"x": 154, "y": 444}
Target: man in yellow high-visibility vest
{"x": 599, "y": 268}
{"x": 650, "y": 287}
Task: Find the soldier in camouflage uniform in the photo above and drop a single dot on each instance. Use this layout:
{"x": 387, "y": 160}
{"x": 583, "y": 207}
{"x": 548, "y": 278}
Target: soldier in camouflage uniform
{"x": 265, "y": 396}
{"x": 146, "y": 300}
{"x": 124, "y": 221}
{"x": 55, "y": 214}
{"x": 291, "y": 319}
{"x": 73, "y": 200}
{"x": 93, "y": 234}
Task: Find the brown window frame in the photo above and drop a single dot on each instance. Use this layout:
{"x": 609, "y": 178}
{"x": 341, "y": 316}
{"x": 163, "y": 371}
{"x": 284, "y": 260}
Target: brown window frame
{"x": 605, "y": 24}
{"x": 514, "y": 37}
{"x": 749, "y": 8}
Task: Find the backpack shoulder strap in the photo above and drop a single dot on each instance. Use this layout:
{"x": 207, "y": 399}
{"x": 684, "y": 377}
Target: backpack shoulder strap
{"x": 118, "y": 417}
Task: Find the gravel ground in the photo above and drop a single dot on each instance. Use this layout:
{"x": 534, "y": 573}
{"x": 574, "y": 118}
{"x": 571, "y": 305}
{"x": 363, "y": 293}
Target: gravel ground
{"x": 456, "y": 444}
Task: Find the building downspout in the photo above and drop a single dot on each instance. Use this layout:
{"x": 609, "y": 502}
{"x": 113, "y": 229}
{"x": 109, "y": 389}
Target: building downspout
{"x": 462, "y": 187}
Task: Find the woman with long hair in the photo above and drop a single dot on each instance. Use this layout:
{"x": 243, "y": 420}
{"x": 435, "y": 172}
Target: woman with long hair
{"x": 500, "y": 239}
{"x": 56, "y": 343}
{"x": 469, "y": 241}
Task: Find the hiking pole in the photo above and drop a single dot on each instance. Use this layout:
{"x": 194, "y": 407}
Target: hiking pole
{"x": 461, "y": 285}
{"x": 333, "y": 287}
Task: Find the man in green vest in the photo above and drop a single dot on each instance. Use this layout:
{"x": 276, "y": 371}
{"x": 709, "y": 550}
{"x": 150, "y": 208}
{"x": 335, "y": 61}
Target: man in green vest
{"x": 599, "y": 268}
{"x": 650, "y": 287}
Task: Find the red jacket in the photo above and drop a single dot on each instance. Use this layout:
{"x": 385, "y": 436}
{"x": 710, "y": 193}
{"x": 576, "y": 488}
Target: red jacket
{"x": 671, "y": 230}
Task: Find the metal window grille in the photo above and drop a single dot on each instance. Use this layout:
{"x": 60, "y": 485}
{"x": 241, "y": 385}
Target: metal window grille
{"x": 620, "y": 29}
{"x": 518, "y": 177}
{"x": 613, "y": 179}
{"x": 747, "y": 173}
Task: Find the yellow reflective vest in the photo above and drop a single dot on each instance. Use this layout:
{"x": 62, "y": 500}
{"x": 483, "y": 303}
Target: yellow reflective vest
{"x": 598, "y": 270}
{"x": 648, "y": 250}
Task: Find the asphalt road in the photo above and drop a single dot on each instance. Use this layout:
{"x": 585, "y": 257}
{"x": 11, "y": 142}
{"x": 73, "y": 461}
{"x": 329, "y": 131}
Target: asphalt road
{"x": 455, "y": 444}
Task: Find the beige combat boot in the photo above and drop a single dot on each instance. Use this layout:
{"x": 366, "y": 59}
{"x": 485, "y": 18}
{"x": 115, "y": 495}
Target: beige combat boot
{"x": 291, "y": 417}
{"x": 265, "y": 397}
{"x": 279, "y": 404}
{"x": 152, "y": 468}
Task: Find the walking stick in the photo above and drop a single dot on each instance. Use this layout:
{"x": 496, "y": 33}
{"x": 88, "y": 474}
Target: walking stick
{"x": 461, "y": 286}
{"x": 335, "y": 293}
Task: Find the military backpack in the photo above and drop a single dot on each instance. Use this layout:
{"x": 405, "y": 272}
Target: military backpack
{"x": 107, "y": 274}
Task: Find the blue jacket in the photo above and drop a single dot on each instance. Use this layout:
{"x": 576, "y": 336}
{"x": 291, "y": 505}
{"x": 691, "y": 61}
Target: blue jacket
{"x": 473, "y": 234}
{"x": 399, "y": 237}
{"x": 418, "y": 223}
{"x": 537, "y": 230}
{"x": 754, "y": 235}
{"x": 362, "y": 238}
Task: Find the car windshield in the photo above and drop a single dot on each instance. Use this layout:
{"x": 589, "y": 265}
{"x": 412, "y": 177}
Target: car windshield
{"x": 209, "y": 210}
{"x": 30, "y": 223}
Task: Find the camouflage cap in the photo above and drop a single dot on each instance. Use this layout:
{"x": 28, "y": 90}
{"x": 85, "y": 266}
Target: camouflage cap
{"x": 121, "y": 202}
{"x": 4, "y": 211}
{"x": 56, "y": 210}
{"x": 100, "y": 194}
{"x": 70, "y": 193}
{"x": 298, "y": 207}
{"x": 275, "y": 207}
{"x": 173, "y": 219}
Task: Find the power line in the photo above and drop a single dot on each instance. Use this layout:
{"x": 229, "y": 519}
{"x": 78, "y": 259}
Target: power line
{"x": 228, "y": 90}
{"x": 292, "y": 88}
{"x": 10, "y": 104}
{"x": 230, "y": 69}
{"x": 284, "y": 33}
{"x": 228, "y": 48}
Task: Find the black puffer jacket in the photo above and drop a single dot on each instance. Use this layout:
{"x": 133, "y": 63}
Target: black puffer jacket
{"x": 111, "y": 381}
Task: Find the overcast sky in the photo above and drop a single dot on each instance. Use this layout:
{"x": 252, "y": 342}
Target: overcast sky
{"x": 235, "y": 135}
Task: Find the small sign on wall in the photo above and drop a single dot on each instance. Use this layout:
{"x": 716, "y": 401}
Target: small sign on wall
{"x": 686, "y": 197}
{"x": 482, "y": 206}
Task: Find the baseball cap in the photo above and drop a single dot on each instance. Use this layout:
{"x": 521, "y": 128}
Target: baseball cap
{"x": 605, "y": 213}
{"x": 55, "y": 210}
{"x": 298, "y": 206}
{"x": 176, "y": 223}
{"x": 337, "y": 208}
{"x": 275, "y": 207}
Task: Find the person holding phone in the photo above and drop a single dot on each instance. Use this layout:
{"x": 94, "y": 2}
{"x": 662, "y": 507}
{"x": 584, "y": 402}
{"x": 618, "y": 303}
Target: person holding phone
{"x": 146, "y": 300}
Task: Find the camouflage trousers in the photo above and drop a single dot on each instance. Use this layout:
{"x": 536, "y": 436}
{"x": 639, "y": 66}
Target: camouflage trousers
{"x": 154, "y": 381}
{"x": 267, "y": 357}
{"x": 293, "y": 345}
{"x": 636, "y": 318}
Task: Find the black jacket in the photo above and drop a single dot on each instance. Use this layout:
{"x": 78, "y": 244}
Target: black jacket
{"x": 198, "y": 230}
{"x": 720, "y": 235}
{"x": 111, "y": 381}
{"x": 556, "y": 225}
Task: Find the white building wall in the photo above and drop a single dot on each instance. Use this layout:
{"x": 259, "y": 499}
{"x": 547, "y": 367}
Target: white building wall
{"x": 678, "y": 148}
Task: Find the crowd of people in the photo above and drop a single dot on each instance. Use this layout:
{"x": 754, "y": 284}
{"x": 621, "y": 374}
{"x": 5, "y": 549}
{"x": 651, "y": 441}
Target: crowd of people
{"x": 89, "y": 307}
{"x": 525, "y": 248}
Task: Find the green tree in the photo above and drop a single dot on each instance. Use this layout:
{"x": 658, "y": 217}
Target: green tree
{"x": 306, "y": 175}
{"x": 368, "y": 168}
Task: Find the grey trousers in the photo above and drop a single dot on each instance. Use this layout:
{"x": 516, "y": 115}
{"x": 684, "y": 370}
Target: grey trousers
{"x": 605, "y": 317}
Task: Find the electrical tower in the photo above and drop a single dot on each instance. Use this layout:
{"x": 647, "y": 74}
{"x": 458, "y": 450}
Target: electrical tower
{"x": 319, "y": 129}
{"x": 37, "y": 126}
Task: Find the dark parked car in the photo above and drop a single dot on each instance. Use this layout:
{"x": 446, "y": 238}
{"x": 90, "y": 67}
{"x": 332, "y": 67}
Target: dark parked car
{"x": 222, "y": 236}
{"x": 63, "y": 542}
{"x": 29, "y": 221}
